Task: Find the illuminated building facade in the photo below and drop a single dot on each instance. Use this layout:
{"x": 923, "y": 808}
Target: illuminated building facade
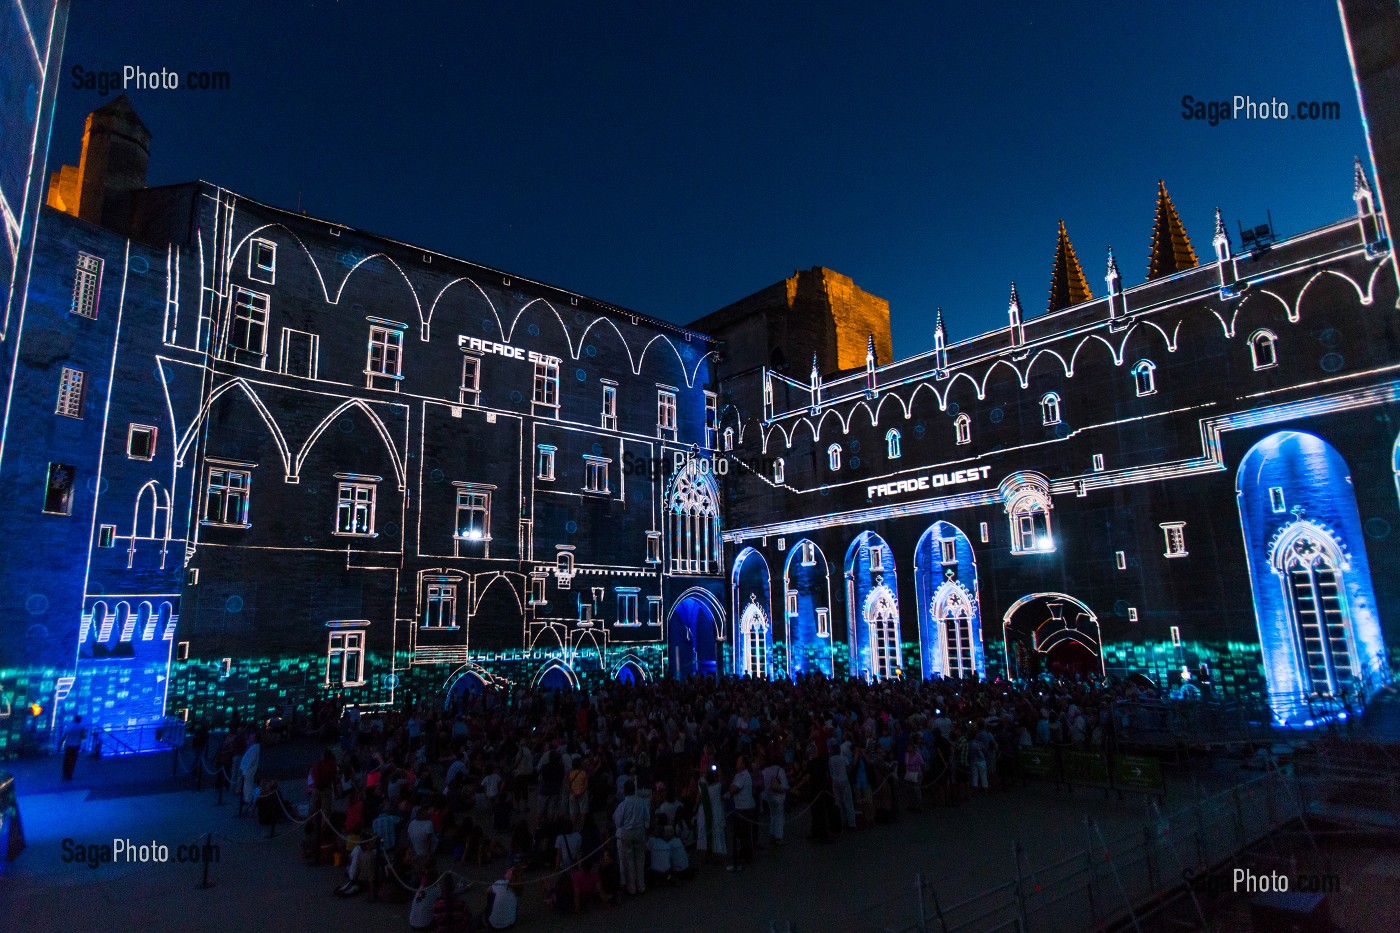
{"x": 1198, "y": 469}
{"x": 253, "y": 459}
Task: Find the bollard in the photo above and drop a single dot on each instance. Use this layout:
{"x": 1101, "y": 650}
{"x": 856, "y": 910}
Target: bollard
{"x": 206, "y": 853}
{"x": 919, "y": 889}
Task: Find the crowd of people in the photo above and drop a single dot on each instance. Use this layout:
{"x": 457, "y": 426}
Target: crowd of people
{"x": 601, "y": 796}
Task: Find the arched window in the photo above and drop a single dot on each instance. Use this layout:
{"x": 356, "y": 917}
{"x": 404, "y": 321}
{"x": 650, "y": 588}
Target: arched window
{"x": 1262, "y": 349}
{"x": 892, "y": 441}
{"x": 833, "y": 457}
{"x": 882, "y": 616}
{"x": 953, "y": 610}
{"x": 693, "y": 512}
{"x": 728, "y": 438}
{"x": 963, "y": 425}
{"x": 1050, "y": 409}
{"x": 754, "y": 626}
{"x": 1028, "y": 508}
{"x": 778, "y": 470}
{"x": 1145, "y": 377}
{"x": 1310, "y": 562}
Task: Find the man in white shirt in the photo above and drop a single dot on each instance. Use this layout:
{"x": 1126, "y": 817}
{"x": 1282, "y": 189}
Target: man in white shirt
{"x": 502, "y": 903}
{"x": 775, "y": 788}
{"x": 631, "y": 818}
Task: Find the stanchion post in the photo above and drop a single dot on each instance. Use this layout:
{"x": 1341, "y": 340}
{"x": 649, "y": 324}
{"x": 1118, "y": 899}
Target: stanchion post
{"x": 205, "y": 854}
{"x": 919, "y": 890}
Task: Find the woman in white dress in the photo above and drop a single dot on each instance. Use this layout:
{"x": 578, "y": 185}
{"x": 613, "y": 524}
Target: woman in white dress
{"x": 709, "y": 817}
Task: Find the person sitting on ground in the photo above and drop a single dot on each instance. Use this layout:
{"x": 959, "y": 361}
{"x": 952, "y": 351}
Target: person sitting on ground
{"x": 586, "y": 883}
{"x": 363, "y": 867}
{"x": 450, "y": 909}
{"x": 659, "y": 855}
{"x": 609, "y": 877}
{"x": 502, "y": 900}
{"x": 421, "y": 913}
{"x": 681, "y": 869}
{"x": 271, "y": 805}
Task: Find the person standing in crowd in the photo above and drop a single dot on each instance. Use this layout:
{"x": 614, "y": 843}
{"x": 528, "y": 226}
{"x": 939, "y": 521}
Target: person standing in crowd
{"x": 743, "y": 818}
{"x": 631, "y": 818}
{"x": 73, "y": 738}
{"x": 248, "y": 767}
{"x": 775, "y": 791}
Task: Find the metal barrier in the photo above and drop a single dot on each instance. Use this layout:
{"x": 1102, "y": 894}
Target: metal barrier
{"x": 1125, "y": 878}
{"x": 160, "y": 735}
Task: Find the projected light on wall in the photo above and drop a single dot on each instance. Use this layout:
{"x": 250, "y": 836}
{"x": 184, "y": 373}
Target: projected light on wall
{"x": 1318, "y": 626}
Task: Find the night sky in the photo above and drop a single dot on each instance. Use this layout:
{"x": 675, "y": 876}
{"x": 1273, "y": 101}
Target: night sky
{"x": 674, "y": 157}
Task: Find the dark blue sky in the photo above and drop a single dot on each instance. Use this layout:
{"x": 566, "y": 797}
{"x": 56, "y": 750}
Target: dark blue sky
{"x": 674, "y": 157}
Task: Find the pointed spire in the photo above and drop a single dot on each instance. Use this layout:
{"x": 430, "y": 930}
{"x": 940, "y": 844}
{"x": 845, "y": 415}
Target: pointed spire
{"x": 1171, "y": 248}
{"x": 1013, "y": 313}
{"x": 1067, "y": 283}
{"x": 1221, "y": 240}
{"x": 940, "y": 342}
{"x": 1112, "y": 273}
{"x": 816, "y": 370}
{"x": 939, "y": 331}
{"x": 1361, "y": 189}
{"x": 870, "y": 347}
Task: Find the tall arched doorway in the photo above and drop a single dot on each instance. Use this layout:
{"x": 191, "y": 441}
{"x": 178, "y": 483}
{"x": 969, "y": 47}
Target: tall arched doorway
{"x": 807, "y": 610}
{"x": 1052, "y": 633}
{"x": 950, "y": 616}
{"x": 1319, "y": 629}
{"x": 692, "y": 634}
{"x": 754, "y": 651}
{"x": 872, "y": 608}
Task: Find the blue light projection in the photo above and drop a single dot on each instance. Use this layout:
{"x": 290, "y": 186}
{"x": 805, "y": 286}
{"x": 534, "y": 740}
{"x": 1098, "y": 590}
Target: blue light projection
{"x": 950, "y": 610}
{"x": 693, "y": 634}
{"x": 753, "y": 614}
{"x": 1318, "y": 626}
{"x": 807, "y": 609}
{"x": 872, "y": 608}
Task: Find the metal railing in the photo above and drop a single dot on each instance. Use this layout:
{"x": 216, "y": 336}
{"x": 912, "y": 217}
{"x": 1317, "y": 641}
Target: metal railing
{"x": 160, "y": 735}
{"x": 1112, "y": 881}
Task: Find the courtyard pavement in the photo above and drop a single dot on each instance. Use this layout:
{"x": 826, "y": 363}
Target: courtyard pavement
{"x": 862, "y": 882}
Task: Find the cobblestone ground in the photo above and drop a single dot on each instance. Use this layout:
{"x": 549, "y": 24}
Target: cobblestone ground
{"x": 862, "y": 882}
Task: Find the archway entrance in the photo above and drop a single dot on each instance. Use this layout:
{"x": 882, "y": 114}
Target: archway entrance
{"x": 692, "y": 634}
{"x": 1052, "y": 633}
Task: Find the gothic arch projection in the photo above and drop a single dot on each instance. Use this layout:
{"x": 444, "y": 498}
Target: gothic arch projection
{"x": 950, "y": 613}
{"x": 379, "y": 427}
{"x": 692, "y": 518}
{"x": 497, "y": 614}
{"x": 753, "y": 644}
{"x": 753, "y": 636}
{"x": 1052, "y": 632}
{"x": 183, "y": 446}
{"x": 807, "y": 610}
{"x": 872, "y": 608}
{"x": 555, "y": 675}
{"x": 694, "y": 631}
{"x": 1319, "y": 628}
{"x": 468, "y": 682}
{"x": 630, "y": 671}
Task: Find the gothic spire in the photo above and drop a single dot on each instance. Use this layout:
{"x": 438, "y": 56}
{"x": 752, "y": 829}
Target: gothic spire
{"x": 1362, "y": 187}
{"x": 1171, "y": 248}
{"x": 938, "y": 327}
{"x": 1067, "y": 283}
{"x": 1220, "y": 232}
